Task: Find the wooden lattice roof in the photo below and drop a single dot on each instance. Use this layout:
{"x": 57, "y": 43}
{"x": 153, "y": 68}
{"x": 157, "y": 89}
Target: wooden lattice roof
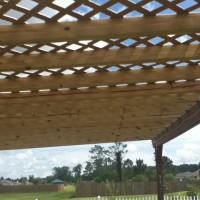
{"x": 91, "y": 71}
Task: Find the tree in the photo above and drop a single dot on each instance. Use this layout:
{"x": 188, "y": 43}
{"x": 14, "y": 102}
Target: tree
{"x": 169, "y": 177}
{"x": 23, "y": 180}
{"x": 140, "y": 178}
{"x": 62, "y": 173}
{"x": 77, "y": 172}
{"x": 117, "y": 152}
{"x": 140, "y": 167}
{"x": 98, "y": 162}
{"x": 128, "y": 171}
{"x": 88, "y": 172}
{"x": 150, "y": 173}
{"x": 167, "y": 164}
{"x": 117, "y": 147}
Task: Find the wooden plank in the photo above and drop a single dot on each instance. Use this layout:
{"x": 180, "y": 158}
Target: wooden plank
{"x": 99, "y": 29}
{"x": 93, "y": 110}
{"x": 183, "y": 90}
{"x": 97, "y": 79}
{"x": 186, "y": 90}
{"x": 46, "y": 61}
{"x": 44, "y": 141}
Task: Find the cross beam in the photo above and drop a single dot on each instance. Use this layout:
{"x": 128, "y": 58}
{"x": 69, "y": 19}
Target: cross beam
{"x": 186, "y": 121}
{"x": 46, "y": 61}
{"x": 99, "y": 29}
{"x": 96, "y": 79}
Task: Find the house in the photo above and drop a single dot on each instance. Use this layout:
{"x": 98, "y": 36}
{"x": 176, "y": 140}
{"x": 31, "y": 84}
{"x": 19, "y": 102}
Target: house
{"x": 183, "y": 175}
{"x": 195, "y": 175}
{"x": 8, "y": 182}
{"x": 189, "y": 175}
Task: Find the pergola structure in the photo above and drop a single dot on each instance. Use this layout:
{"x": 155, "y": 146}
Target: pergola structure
{"x": 94, "y": 71}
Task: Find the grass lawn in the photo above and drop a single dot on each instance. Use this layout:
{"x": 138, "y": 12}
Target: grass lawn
{"x": 66, "y": 194}
{"x": 33, "y": 196}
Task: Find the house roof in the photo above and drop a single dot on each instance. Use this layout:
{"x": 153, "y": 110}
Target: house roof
{"x": 80, "y": 72}
{"x": 184, "y": 175}
{"x": 196, "y": 173}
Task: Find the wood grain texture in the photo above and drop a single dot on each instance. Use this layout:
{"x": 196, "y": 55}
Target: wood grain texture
{"x": 100, "y": 57}
{"x": 99, "y": 29}
{"x": 103, "y": 78}
{"x": 86, "y": 121}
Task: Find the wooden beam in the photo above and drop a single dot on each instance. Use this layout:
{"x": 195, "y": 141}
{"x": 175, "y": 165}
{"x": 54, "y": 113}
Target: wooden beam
{"x": 185, "y": 122}
{"x": 159, "y": 174}
{"x": 100, "y": 57}
{"x": 99, "y": 29}
{"x": 184, "y": 90}
{"x": 97, "y": 79}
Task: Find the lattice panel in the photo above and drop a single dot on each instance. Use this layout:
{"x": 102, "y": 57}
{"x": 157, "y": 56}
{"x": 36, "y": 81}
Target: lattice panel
{"x": 16, "y": 12}
{"x": 102, "y": 44}
{"x": 37, "y": 11}
{"x": 97, "y": 69}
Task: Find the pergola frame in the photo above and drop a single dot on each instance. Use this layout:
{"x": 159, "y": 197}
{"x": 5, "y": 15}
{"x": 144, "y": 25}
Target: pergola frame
{"x": 87, "y": 72}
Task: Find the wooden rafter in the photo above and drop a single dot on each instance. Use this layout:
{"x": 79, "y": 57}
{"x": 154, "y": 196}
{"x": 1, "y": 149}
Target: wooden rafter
{"x": 99, "y": 29}
{"x": 186, "y": 121}
{"x": 186, "y": 92}
{"x": 100, "y": 57}
{"x": 97, "y": 79}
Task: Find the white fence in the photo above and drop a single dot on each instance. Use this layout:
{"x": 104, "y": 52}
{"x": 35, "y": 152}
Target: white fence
{"x": 166, "y": 197}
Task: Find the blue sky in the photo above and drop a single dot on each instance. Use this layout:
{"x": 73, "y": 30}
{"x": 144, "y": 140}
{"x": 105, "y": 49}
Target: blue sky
{"x": 39, "y": 162}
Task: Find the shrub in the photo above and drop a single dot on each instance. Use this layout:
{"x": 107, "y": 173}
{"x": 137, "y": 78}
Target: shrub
{"x": 192, "y": 190}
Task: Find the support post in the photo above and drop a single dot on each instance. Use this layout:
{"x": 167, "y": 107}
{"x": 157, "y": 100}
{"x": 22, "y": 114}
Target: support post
{"x": 159, "y": 175}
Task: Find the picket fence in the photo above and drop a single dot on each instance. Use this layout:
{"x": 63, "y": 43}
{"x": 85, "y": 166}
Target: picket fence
{"x": 171, "y": 197}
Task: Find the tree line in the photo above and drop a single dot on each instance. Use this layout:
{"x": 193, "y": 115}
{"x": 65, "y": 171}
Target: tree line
{"x": 109, "y": 164}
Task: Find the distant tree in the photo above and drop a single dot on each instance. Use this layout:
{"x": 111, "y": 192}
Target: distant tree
{"x": 128, "y": 171}
{"x": 88, "y": 171}
{"x": 62, "y": 173}
{"x": 140, "y": 167}
{"x": 98, "y": 155}
{"x": 77, "y": 172}
{"x": 22, "y": 180}
{"x": 140, "y": 177}
{"x": 31, "y": 179}
{"x": 117, "y": 147}
{"x": 150, "y": 173}
{"x": 169, "y": 177}
{"x": 49, "y": 179}
{"x": 117, "y": 152}
{"x": 168, "y": 166}
{"x": 188, "y": 167}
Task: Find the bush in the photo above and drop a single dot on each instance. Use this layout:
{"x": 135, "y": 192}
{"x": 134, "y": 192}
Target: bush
{"x": 192, "y": 190}
{"x": 169, "y": 177}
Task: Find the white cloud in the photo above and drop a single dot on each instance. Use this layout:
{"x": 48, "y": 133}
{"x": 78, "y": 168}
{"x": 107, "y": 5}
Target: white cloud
{"x": 149, "y": 6}
{"x": 185, "y": 148}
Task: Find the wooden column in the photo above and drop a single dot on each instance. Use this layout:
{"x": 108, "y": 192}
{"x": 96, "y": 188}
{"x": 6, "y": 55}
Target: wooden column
{"x": 159, "y": 175}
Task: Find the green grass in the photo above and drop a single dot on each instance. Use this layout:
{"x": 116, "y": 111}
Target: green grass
{"x": 32, "y": 196}
{"x": 68, "y": 193}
